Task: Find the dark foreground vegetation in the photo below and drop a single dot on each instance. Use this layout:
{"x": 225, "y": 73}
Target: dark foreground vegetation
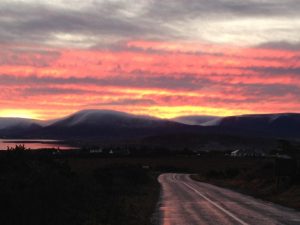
{"x": 276, "y": 180}
{"x": 41, "y": 190}
{"x": 39, "y": 187}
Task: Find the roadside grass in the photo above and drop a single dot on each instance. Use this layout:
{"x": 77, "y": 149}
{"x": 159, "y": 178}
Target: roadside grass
{"x": 44, "y": 191}
{"x": 111, "y": 190}
{"x": 258, "y": 181}
{"x": 180, "y": 164}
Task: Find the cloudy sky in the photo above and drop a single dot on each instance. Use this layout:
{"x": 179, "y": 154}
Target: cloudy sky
{"x": 163, "y": 58}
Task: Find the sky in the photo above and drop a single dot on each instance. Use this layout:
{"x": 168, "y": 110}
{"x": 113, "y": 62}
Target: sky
{"x": 161, "y": 58}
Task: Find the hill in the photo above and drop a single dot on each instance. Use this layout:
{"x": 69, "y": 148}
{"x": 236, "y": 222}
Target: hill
{"x": 274, "y": 125}
{"x": 107, "y": 124}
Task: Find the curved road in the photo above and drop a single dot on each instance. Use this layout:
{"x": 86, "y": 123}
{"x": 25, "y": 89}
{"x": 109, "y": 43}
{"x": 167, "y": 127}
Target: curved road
{"x": 188, "y": 202}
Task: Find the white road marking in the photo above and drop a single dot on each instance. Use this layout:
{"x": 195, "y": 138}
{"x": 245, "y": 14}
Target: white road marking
{"x": 216, "y": 205}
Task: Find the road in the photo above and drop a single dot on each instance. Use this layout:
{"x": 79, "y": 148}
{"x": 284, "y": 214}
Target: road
{"x": 188, "y": 202}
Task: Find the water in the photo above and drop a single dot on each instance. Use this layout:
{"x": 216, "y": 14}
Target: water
{"x": 34, "y": 144}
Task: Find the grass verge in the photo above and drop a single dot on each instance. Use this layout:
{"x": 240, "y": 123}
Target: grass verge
{"x": 44, "y": 191}
{"x": 258, "y": 181}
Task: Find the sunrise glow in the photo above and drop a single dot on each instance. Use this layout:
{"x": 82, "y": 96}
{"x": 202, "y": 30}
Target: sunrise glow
{"x": 15, "y": 113}
{"x": 139, "y": 61}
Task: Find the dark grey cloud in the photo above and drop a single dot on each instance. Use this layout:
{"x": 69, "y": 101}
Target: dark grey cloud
{"x": 221, "y": 100}
{"x": 23, "y": 22}
{"x": 125, "y": 102}
{"x": 187, "y": 82}
{"x": 257, "y": 92}
{"x": 214, "y": 9}
{"x": 104, "y": 21}
{"x": 281, "y": 45}
{"x": 33, "y": 91}
{"x": 28, "y": 57}
{"x": 267, "y": 92}
{"x": 273, "y": 71}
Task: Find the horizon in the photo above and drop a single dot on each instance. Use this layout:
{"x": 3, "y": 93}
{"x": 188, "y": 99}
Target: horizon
{"x": 163, "y": 59}
{"x": 110, "y": 110}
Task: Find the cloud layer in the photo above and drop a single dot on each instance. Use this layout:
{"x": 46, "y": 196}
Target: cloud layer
{"x": 164, "y": 58}
{"x": 89, "y": 23}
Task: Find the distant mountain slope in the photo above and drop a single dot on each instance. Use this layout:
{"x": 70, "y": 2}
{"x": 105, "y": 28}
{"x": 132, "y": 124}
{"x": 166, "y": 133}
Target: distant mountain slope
{"x": 104, "y": 118}
{"x": 9, "y": 122}
{"x": 195, "y": 120}
{"x": 18, "y": 127}
{"x": 284, "y": 124}
{"x": 106, "y": 123}
{"x": 119, "y": 125}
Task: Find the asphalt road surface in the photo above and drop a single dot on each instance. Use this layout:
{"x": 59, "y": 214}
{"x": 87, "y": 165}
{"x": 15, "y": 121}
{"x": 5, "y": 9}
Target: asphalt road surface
{"x": 188, "y": 202}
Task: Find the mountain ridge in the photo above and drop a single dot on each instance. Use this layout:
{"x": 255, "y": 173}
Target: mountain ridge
{"x": 115, "y": 124}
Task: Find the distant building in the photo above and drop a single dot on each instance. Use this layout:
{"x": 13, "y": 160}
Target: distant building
{"x": 235, "y": 153}
{"x": 94, "y": 151}
{"x": 283, "y": 156}
{"x": 247, "y": 153}
{"x": 56, "y": 152}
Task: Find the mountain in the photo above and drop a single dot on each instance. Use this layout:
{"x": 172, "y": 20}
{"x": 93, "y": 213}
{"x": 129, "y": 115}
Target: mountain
{"x": 16, "y": 127}
{"x": 195, "y": 120}
{"x": 104, "y": 118}
{"x": 8, "y": 122}
{"x": 108, "y": 124}
{"x": 279, "y": 125}
{"x": 265, "y": 125}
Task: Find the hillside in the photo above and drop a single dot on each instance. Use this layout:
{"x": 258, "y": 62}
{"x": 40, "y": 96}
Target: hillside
{"x": 107, "y": 124}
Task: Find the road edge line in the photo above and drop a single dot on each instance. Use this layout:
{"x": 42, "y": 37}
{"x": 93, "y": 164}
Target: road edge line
{"x": 216, "y": 205}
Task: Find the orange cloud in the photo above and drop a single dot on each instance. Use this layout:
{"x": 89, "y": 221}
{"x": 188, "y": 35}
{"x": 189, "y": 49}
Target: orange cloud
{"x": 158, "y": 78}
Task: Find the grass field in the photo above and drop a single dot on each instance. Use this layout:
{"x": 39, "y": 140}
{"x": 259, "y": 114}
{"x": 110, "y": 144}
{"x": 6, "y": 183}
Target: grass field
{"x": 115, "y": 190}
{"x": 188, "y": 164}
{"x": 260, "y": 181}
{"x": 39, "y": 191}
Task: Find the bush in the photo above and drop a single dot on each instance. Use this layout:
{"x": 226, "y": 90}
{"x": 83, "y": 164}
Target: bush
{"x": 232, "y": 173}
{"x": 228, "y": 173}
{"x": 214, "y": 174}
